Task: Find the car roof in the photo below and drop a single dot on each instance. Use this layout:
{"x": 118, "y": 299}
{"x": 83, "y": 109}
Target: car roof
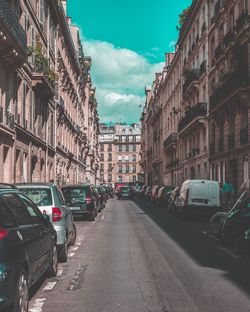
{"x": 7, "y": 186}
{"x": 9, "y": 190}
{"x": 34, "y": 185}
{"x": 75, "y": 185}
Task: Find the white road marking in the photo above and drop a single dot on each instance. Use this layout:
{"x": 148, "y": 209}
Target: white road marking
{"x": 78, "y": 243}
{"x": 71, "y": 254}
{"x": 49, "y": 286}
{"x": 37, "y": 305}
{"x": 102, "y": 217}
{"x": 74, "y": 248}
{"x": 60, "y": 273}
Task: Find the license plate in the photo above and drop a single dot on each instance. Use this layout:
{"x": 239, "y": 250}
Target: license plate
{"x": 75, "y": 208}
{"x": 125, "y": 194}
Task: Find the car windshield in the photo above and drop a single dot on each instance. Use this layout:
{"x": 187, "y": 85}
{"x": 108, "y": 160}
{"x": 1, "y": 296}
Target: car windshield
{"x": 75, "y": 194}
{"x": 124, "y": 189}
{"x": 40, "y": 196}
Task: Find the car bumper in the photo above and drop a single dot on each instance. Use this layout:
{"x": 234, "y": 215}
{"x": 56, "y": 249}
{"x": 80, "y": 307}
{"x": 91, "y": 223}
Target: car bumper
{"x": 60, "y": 233}
{"x": 8, "y": 286}
{"x": 201, "y": 210}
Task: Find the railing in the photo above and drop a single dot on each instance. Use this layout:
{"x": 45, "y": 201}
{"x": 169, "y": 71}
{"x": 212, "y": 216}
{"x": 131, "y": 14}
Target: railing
{"x": 10, "y": 21}
{"x": 235, "y": 80}
{"x": 243, "y": 19}
{"x": 199, "y": 110}
{"x": 244, "y": 136}
{"x": 10, "y": 120}
{"x": 219, "y": 51}
{"x": 191, "y": 76}
{"x": 217, "y": 8}
{"x": 203, "y": 67}
{"x": 231, "y": 141}
{"x": 229, "y": 37}
{"x": 171, "y": 139}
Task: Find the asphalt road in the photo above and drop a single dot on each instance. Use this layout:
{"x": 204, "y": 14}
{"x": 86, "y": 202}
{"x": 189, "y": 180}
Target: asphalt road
{"x": 136, "y": 257}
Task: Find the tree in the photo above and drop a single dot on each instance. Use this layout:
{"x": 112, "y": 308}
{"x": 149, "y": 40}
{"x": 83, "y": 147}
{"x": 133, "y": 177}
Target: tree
{"x": 182, "y": 17}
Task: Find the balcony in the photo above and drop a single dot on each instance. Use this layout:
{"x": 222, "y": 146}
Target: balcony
{"x": 203, "y": 67}
{"x": 231, "y": 141}
{"x": 191, "y": 76}
{"x": 229, "y": 38}
{"x": 171, "y": 139}
{"x": 230, "y": 82}
{"x": 199, "y": 110}
{"x": 244, "y": 136}
{"x": 242, "y": 20}
{"x": 10, "y": 120}
{"x": 219, "y": 51}
{"x": 221, "y": 145}
{"x": 42, "y": 80}
{"x": 218, "y": 7}
{"x": 14, "y": 47}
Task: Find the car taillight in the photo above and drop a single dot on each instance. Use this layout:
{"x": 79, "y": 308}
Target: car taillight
{"x": 56, "y": 214}
{"x": 3, "y": 233}
{"x": 88, "y": 200}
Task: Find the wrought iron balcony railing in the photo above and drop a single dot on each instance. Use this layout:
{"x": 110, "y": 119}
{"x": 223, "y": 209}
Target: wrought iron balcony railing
{"x": 191, "y": 76}
{"x": 242, "y": 20}
{"x": 171, "y": 139}
{"x": 10, "y": 120}
{"x": 199, "y": 110}
{"x": 10, "y": 22}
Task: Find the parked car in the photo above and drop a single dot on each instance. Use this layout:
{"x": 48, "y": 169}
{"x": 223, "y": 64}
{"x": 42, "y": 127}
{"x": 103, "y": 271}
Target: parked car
{"x": 27, "y": 249}
{"x": 81, "y": 200}
{"x": 7, "y": 186}
{"x": 100, "y": 195}
{"x": 200, "y": 197}
{"x": 137, "y": 190}
{"x": 147, "y": 193}
{"x": 143, "y": 190}
{"x": 172, "y": 200}
{"x": 237, "y": 222}
{"x": 50, "y": 201}
{"x": 154, "y": 193}
{"x": 163, "y": 196}
{"x": 125, "y": 192}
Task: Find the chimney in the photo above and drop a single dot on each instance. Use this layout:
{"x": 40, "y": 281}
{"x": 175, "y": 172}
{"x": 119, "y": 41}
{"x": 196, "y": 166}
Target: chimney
{"x": 64, "y": 3}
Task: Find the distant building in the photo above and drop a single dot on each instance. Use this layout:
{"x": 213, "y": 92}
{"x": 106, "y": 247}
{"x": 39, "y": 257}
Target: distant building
{"x": 120, "y": 153}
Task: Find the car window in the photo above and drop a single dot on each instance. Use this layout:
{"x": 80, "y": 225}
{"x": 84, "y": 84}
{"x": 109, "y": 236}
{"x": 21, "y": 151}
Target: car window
{"x": 6, "y": 218}
{"x": 40, "y": 196}
{"x": 34, "y": 212}
{"x": 17, "y": 208}
{"x": 75, "y": 194}
{"x": 60, "y": 196}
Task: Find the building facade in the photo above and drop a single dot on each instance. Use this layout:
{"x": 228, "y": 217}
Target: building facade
{"x": 120, "y": 153}
{"x": 44, "y": 75}
{"x": 195, "y": 123}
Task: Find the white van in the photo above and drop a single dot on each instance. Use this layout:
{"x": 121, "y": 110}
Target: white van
{"x": 198, "y": 197}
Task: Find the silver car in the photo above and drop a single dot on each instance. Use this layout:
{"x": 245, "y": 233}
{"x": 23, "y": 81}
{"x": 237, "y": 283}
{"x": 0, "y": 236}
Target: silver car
{"x": 49, "y": 199}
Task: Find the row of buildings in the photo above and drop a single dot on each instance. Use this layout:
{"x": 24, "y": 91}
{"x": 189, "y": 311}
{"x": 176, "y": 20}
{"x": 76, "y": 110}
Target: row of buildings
{"x": 196, "y": 119}
{"x": 120, "y": 153}
{"x": 48, "y": 109}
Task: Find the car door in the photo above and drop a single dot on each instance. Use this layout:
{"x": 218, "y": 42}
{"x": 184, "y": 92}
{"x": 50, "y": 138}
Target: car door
{"x": 29, "y": 234}
{"x": 44, "y": 230}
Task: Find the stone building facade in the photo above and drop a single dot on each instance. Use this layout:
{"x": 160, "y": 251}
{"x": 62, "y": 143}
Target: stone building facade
{"x": 120, "y": 153}
{"x": 196, "y": 116}
{"x": 43, "y": 80}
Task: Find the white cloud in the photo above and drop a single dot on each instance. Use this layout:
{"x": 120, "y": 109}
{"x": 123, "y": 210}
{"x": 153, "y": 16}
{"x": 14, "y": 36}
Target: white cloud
{"x": 120, "y": 76}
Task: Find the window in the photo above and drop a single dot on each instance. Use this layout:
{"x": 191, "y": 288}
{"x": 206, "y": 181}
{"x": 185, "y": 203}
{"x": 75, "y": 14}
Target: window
{"x": 120, "y": 148}
{"x": 120, "y": 168}
{"x": 134, "y": 148}
{"x": 102, "y": 177}
{"x": 102, "y": 157}
{"x": 110, "y": 168}
{"x": 127, "y": 139}
{"x": 41, "y": 197}
{"x": 101, "y": 167}
{"x": 119, "y": 178}
{"x": 6, "y": 219}
{"x": 110, "y": 148}
{"x": 134, "y": 158}
{"x": 17, "y": 208}
{"x": 102, "y": 147}
{"x": 34, "y": 212}
{"x": 110, "y": 157}
{"x": 127, "y": 148}
{"x": 127, "y": 168}
{"x": 134, "y": 168}
{"x": 109, "y": 177}
{"x": 134, "y": 178}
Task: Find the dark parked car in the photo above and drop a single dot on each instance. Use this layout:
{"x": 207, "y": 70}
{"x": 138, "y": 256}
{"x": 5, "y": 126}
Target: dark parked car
{"x": 163, "y": 196}
{"x": 125, "y": 192}
{"x": 7, "y": 186}
{"x": 101, "y": 199}
{"x": 147, "y": 194}
{"x": 237, "y": 222}
{"x": 27, "y": 249}
{"x": 81, "y": 199}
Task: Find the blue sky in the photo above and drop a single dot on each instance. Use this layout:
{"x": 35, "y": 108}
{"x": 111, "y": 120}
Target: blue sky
{"x": 127, "y": 41}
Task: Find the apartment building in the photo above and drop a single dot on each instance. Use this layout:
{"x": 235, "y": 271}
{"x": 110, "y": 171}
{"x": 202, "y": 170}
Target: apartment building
{"x": 201, "y": 98}
{"x": 120, "y": 153}
{"x": 44, "y": 74}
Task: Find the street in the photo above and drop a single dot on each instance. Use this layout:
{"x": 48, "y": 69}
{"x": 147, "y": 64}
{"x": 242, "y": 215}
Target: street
{"x": 135, "y": 257}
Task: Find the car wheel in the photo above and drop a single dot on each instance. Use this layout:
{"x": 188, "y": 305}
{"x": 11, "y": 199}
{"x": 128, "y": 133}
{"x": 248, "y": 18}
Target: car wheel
{"x": 73, "y": 239}
{"x": 53, "y": 266}
{"x": 92, "y": 216}
{"x": 22, "y": 293}
{"x": 63, "y": 252}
